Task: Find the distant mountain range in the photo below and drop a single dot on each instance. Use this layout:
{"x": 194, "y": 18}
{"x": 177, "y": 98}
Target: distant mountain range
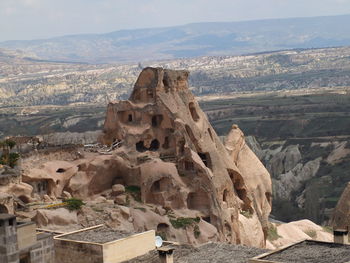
{"x": 192, "y": 40}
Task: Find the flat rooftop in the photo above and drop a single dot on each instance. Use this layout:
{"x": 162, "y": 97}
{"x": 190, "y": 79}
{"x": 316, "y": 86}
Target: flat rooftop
{"x": 206, "y": 253}
{"x": 97, "y": 235}
{"x": 310, "y": 252}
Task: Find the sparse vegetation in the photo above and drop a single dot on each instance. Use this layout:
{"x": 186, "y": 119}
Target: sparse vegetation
{"x": 74, "y": 203}
{"x": 183, "y": 222}
{"x": 196, "y": 231}
{"x": 272, "y": 233}
{"x": 134, "y": 191}
{"x": 246, "y": 213}
{"x": 7, "y": 157}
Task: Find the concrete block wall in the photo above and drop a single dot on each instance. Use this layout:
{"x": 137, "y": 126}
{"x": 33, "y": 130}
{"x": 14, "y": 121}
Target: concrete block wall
{"x": 8, "y": 239}
{"x": 44, "y": 251}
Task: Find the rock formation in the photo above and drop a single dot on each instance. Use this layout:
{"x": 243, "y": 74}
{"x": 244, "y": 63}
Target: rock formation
{"x": 181, "y": 163}
{"x": 164, "y": 147}
{"x": 341, "y": 214}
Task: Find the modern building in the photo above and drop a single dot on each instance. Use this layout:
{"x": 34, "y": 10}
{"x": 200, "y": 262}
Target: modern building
{"x": 21, "y": 243}
{"x": 100, "y": 244}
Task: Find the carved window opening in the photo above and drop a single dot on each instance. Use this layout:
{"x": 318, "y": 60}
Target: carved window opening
{"x": 181, "y": 146}
{"x": 238, "y": 185}
{"x": 207, "y": 219}
{"x": 157, "y": 120}
{"x": 193, "y": 111}
{"x": 154, "y": 145}
{"x": 225, "y": 195}
{"x": 140, "y": 147}
{"x": 156, "y": 186}
{"x": 198, "y": 201}
{"x": 162, "y": 227}
{"x": 166, "y": 143}
{"x": 60, "y": 170}
{"x": 206, "y": 159}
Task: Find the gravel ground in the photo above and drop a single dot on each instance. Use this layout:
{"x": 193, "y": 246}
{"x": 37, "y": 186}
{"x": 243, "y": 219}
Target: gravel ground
{"x": 207, "y": 253}
{"x": 98, "y": 235}
{"x": 312, "y": 252}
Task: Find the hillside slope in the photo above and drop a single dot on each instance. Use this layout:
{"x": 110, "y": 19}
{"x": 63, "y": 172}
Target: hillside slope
{"x": 200, "y": 39}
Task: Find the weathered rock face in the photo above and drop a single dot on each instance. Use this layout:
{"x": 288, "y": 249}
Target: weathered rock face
{"x": 341, "y": 214}
{"x": 181, "y": 162}
{"x": 257, "y": 187}
{"x": 168, "y": 150}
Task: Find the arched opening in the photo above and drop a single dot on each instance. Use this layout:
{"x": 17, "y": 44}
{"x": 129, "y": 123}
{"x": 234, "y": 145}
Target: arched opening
{"x": 60, "y": 170}
{"x": 193, "y": 111}
{"x": 140, "y": 147}
{"x": 24, "y": 199}
{"x": 240, "y": 190}
{"x": 130, "y": 118}
{"x": 3, "y": 209}
{"x": 198, "y": 201}
{"x": 156, "y": 186}
{"x": 159, "y": 192}
{"x": 162, "y": 230}
{"x": 154, "y": 145}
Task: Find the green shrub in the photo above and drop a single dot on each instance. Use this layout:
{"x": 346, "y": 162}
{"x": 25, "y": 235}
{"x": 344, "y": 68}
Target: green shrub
{"x": 196, "y": 231}
{"x": 13, "y": 158}
{"x": 134, "y": 191}
{"x": 183, "y": 222}
{"x": 272, "y": 233}
{"x": 74, "y": 203}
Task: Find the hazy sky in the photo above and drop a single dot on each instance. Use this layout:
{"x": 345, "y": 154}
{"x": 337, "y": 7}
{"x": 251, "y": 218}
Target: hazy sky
{"x": 30, "y": 19}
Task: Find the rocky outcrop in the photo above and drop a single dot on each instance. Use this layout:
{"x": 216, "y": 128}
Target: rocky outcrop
{"x": 257, "y": 186}
{"x": 166, "y": 155}
{"x": 60, "y": 219}
{"x": 341, "y": 214}
{"x": 289, "y": 233}
{"x": 294, "y": 178}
